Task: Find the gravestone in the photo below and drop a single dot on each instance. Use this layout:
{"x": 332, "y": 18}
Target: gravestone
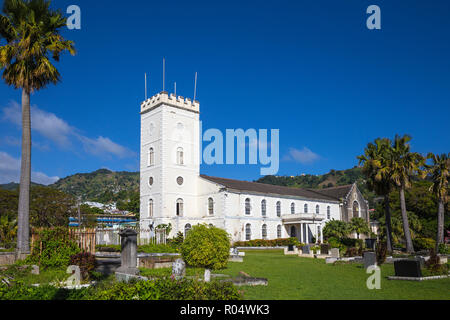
{"x": 34, "y": 269}
{"x": 407, "y": 268}
{"x": 306, "y": 249}
{"x": 334, "y": 252}
{"x": 75, "y": 276}
{"x": 207, "y": 275}
{"x": 421, "y": 261}
{"x": 369, "y": 258}
{"x": 370, "y": 243}
{"x": 324, "y": 248}
{"x": 178, "y": 269}
{"x": 128, "y": 255}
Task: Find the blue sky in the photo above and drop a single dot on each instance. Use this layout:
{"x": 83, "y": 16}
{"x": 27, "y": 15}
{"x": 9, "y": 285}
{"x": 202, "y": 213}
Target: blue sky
{"x": 309, "y": 68}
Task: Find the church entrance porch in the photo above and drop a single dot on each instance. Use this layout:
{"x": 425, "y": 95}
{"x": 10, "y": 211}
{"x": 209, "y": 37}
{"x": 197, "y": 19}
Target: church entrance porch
{"x": 304, "y": 228}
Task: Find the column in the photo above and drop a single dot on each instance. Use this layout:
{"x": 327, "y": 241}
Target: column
{"x": 321, "y": 233}
{"x": 301, "y": 232}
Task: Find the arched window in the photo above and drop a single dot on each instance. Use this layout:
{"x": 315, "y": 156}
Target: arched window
{"x": 328, "y": 213}
{"x": 150, "y": 207}
{"x": 305, "y": 208}
{"x": 248, "y": 232}
{"x": 247, "y": 206}
{"x": 292, "y": 208}
{"x": 263, "y": 208}
{"x": 293, "y": 232}
{"x": 279, "y": 231}
{"x": 317, "y": 209}
{"x": 179, "y": 209}
{"x": 264, "y": 231}
{"x": 210, "y": 206}
{"x": 278, "y": 209}
{"x": 151, "y": 157}
{"x": 180, "y": 156}
{"x": 355, "y": 209}
{"x": 187, "y": 227}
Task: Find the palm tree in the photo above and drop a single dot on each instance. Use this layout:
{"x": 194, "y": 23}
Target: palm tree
{"x": 439, "y": 172}
{"x": 376, "y": 169}
{"x": 359, "y": 225}
{"x": 31, "y": 30}
{"x": 405, "y": 165}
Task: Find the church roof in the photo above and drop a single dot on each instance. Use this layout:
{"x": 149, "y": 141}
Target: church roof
{"x": 269, "y": 188}
{"x": 336, "y": 192}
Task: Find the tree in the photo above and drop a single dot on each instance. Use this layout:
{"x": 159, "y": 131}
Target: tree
{"x": 359, "y": 225}
{"x": 403, "y": 166}
{"x": 50, "y": 207}
{"x": 31, "y": 30}
{"x": 336, "y": 228}
{"x": 206, "y": 247}
{"x": 376, "y": 168}
{"x": 439, "y": 173}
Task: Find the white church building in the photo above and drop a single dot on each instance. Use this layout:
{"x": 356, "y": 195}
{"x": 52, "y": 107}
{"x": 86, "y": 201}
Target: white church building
{"x": 172, "y": 190}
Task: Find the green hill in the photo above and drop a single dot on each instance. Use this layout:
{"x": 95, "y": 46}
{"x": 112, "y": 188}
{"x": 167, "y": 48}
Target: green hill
{"x": 334, "y": 178}
{"x": 14, "y": 186}
{"x": 102, "y": 185}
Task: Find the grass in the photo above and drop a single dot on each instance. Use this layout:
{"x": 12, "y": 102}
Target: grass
{"x": 292, "y": 277}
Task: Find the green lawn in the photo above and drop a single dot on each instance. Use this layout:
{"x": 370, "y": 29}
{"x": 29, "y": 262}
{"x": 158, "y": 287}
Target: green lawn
{"x": 291, "y": 277}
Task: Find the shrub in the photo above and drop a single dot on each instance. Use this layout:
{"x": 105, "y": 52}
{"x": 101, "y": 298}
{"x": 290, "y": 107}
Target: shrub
{"x": 177, "y": 241}
{"x": 53, "y": 248}
{"x": 424, "y": 243}
{"x": 108, "y": 248}
{"x": 351, "y": 252}
{"x": 206, "y": 247}
{"x": 334, "y": 242}
{"x": 444, "y": 248}
{"x": 434, "y": 266}
{"x": 86, "y": 262}
{"x": 157, "y": 248}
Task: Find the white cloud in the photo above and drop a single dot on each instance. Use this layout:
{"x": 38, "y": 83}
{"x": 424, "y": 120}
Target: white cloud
{"x": 304, "y": 156}
{"x": 60, "y": 132}
{"x": 10, "y": 171}
{"x": 104, "y": 146}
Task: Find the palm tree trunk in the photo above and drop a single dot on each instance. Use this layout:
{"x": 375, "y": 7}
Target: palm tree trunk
{"x": 406, "y": 231}
{"x": 387, "y": 211}
{"x": 23, "y": 232}
{"x": 440, "y": 226}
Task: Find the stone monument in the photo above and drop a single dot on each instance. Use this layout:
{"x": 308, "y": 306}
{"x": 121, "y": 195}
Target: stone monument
{"x": 178, "y": 269}
{"x": 129, "y": 252}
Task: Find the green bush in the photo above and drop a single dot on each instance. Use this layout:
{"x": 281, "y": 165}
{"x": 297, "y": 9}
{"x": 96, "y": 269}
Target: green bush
{"x": 424, "y": 243}
{"x": 157, "y": 248}
{"x": 53, "y": 249}
{"x": 108, "y": 248}
{"x": 86, "y": 262}
{"x": 444, "y": 248}
{"x": 160, "y": 289}
{"x": 206, "y": 247}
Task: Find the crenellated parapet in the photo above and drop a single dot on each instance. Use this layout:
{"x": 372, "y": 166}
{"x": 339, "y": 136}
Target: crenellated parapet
{"x": 171, "y": 100}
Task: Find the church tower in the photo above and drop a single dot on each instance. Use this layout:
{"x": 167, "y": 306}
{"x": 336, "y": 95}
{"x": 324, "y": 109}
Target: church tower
{"x": 169, "y": 161}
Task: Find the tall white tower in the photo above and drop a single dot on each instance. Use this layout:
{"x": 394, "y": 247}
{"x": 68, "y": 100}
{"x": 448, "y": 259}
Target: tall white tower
{"x": 170, "y": 161}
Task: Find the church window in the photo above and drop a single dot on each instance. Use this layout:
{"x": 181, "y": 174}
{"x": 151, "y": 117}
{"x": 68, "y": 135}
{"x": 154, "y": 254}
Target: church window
{"x": 179, "y": 208}
{"x": 248, "y": 231}
{"x": 263, "y": 208}
{"x": 317, "y": 209}
{"x": 150, "y": 181}
{"x": 180, "y": 156}
{"x": 279, "y": 231}
{"x": 187, "y": 228}
{"x": 264, "y": 231}
{"x": 292, "y": 208}
{"x": 210, "y": 206}
{"x": 247, "y": 206}
{"x": 180, "y": 180}
{"x": 355, "y": 209}
{"x": 278, "y": 209}
{"x": 328, "y": 213}
{"x": 150, "y": 207}
{"x": 305, "y": 208}
{"x": 151, "y": 157}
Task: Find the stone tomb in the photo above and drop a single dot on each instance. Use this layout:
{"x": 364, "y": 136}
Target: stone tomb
{"x": 408, "y": 268}
{"x": 179, "y": 269}
{"x": 370, "y": 259}
{"x": 335, "y": 253}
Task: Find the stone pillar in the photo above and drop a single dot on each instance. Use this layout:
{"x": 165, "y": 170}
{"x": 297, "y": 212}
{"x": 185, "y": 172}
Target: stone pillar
{"x": 321, "y": 233}
{"x": 129, "y": 252}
